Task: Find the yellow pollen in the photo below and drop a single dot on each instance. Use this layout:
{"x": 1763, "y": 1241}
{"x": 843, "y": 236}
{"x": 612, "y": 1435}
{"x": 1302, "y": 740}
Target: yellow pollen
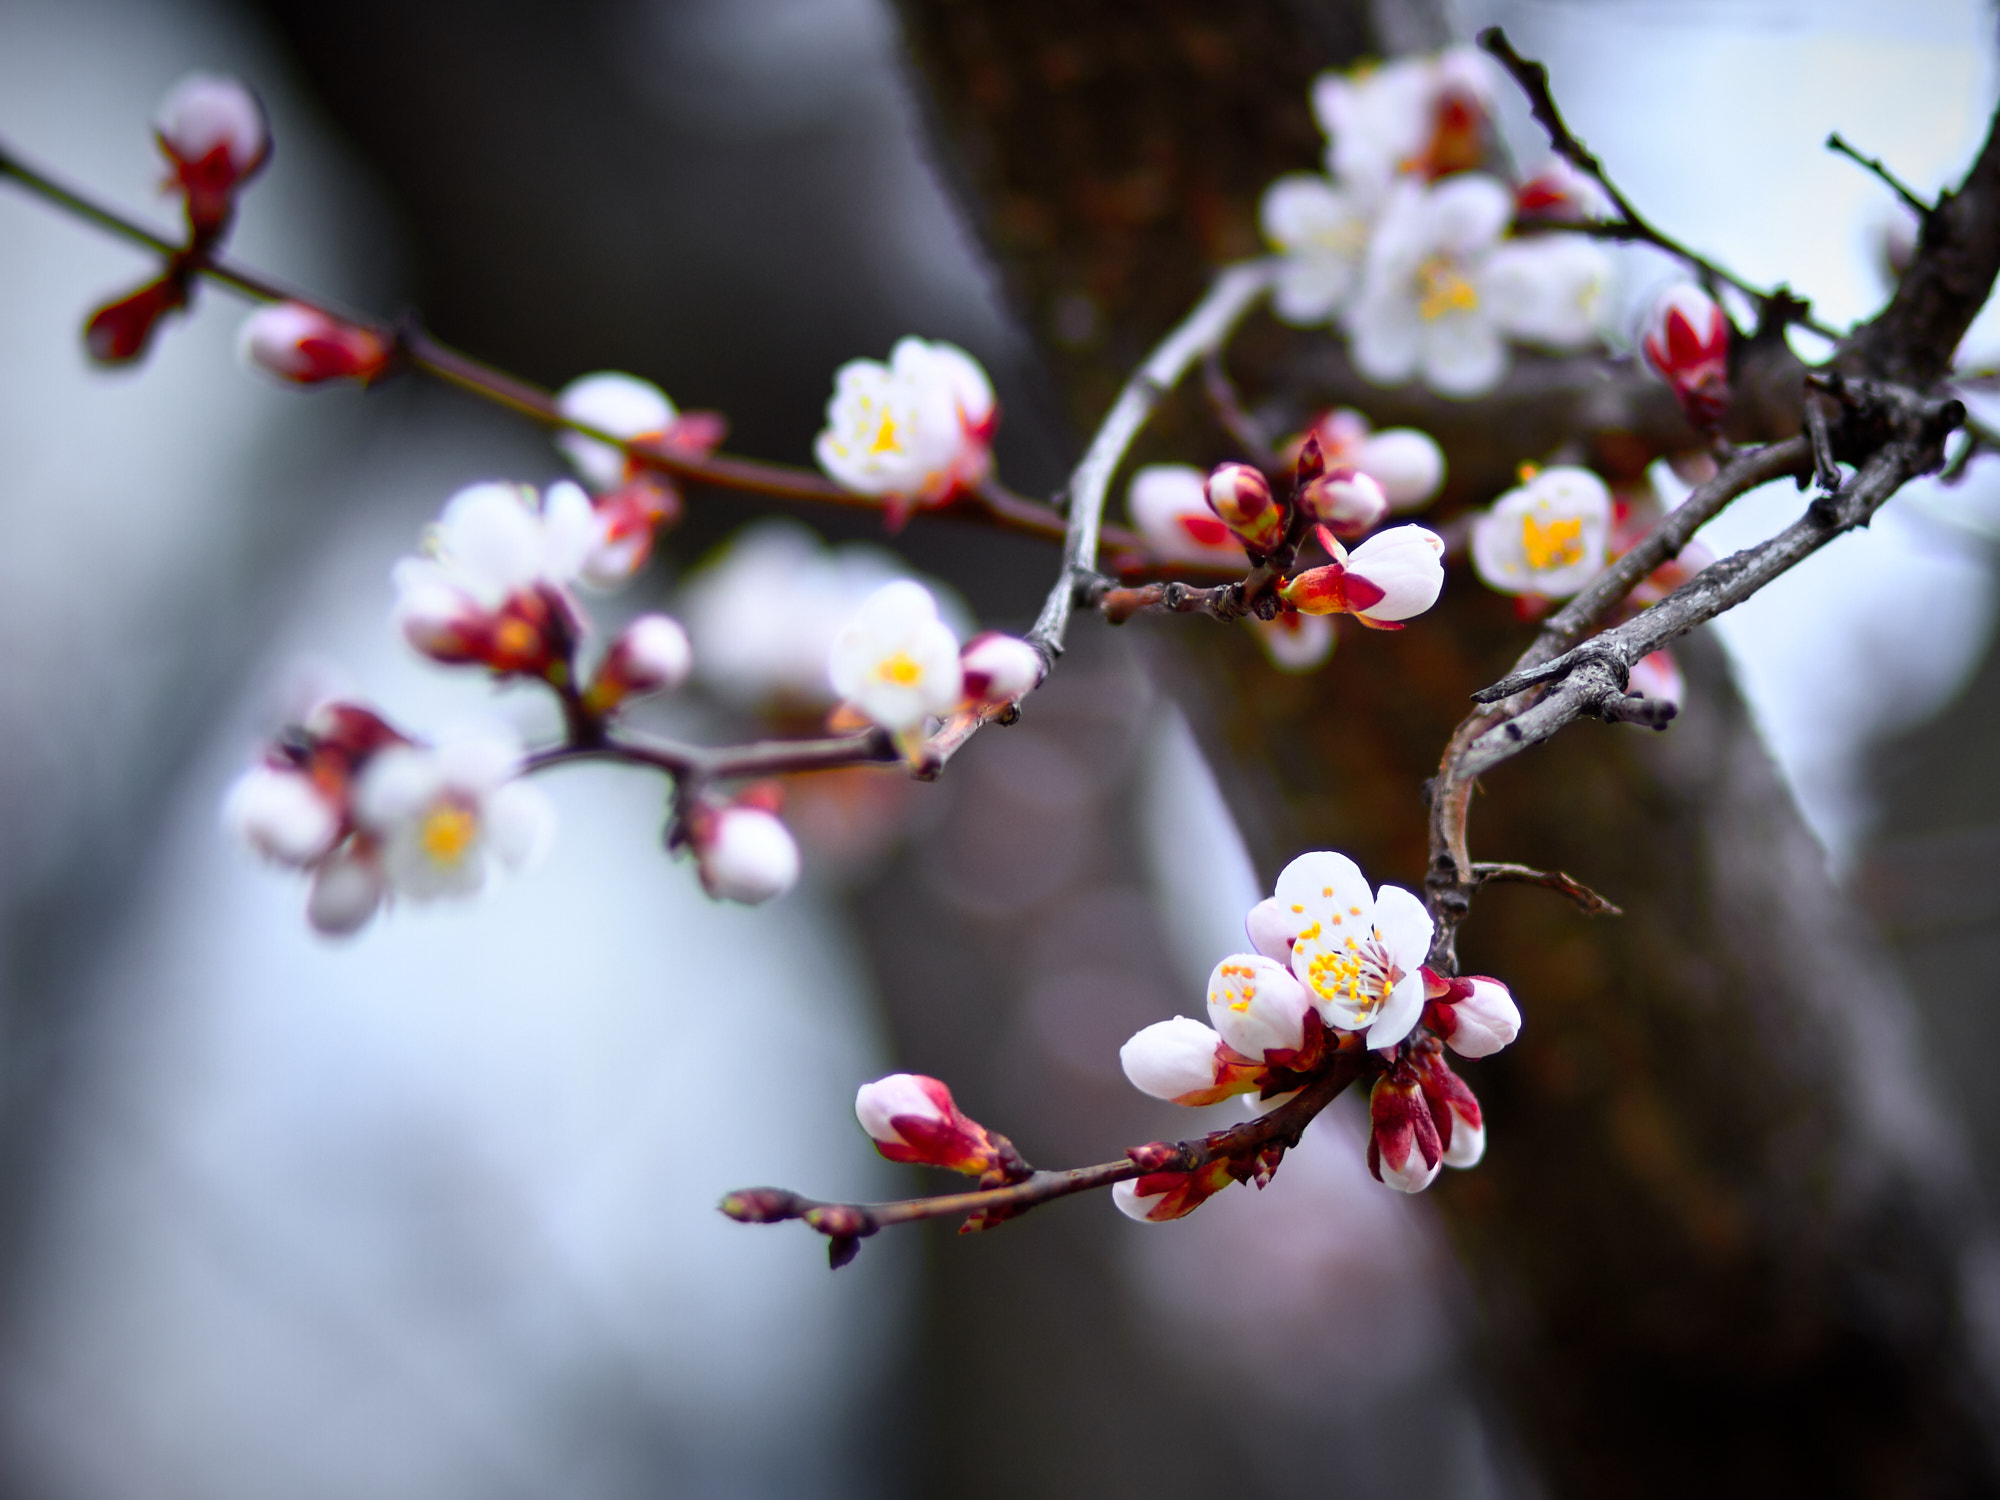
{"x": 1354, "y": 911}
{"x": 900, "y": 669}
{"x": 1296, "y": 907}
{"x": 1527, "y": 472}
{"x": 886, "y": 440}
{"x": 446, "y": 833}
{"x": 1441, "y": 289}
{"x": 1326, "y": 890}
{"x": 1559, "y": 544}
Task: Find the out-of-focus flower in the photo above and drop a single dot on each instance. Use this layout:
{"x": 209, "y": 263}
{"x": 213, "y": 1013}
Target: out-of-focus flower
{"x": 1547, "y": 537}
{"x": 1321, "y": 230}
{"x": 1658, "y": 675}
{"x": 442, "y": 815}
{"x": 1348, "y": 502}
{"x": 1403, "y": 1146}
{"x": 1259, "y": 1009}
{"x": 282, "y": 814}
{"x": 1550, "y": 289}
{"x": 913, "y": 1118}
{"x": 1405, "y": 462}
{"x": 305, "y": 346}
{"x": 1392, "y": 576}
{"x": 214, "y": 132}
{"x": 995, "y": 669}
{"x": 1359, "y": 953}
{"x": 1686, "y": 338}
{"x": 1422, "y": 116}
{"x": 493, "y": 586}
{"x": 1295, "y": 642}
{"x": 1169, "y": 505}
{"x": 650, "y": 655}
{"x": 896, "y": 662}
{"x": 1241, "y": 497}
{"x": 915, "y": 431}
{"x": 1157, "y": 1197}
{"x": 347, "y": 890}
{"x": 1557, "y": 192}
{"x": 120, "y": 331}
{"x": 743, "y": 853}
{"x": 1473, "y": 1015}
{"x": 1461, "y": 1128}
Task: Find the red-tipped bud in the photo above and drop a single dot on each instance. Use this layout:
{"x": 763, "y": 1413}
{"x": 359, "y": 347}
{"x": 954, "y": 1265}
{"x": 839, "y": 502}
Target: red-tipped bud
{"x": 120, "y": 331}
{"x": 1473, "y": 1015}
{"x": 651, "y": 655}
{"x": 743, "y": 852}
{"x": 214, "y": 132}
{"x": 1158, "y": 1197}
{"x": 1686, "y": 339}
{"x": 1241, "y": 497}
{"x": 1403, "y": 1146}
{"x": 1346, "y": 501}
{"x": 912, "y": 1118}
{"x": 1392, "y": 576}
{"x": 305, "y": 346}
{"x": 998, "y": 669}
{"x": 1461, "y": 1129}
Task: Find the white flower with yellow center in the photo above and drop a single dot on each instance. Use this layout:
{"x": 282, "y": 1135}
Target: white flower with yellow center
{"x": 917, "y": 428}
{"x": 896, "y": 661}
{"x": 443, "y": 814}
{"x": 1548, "y": 537}
{"x": 1424, "y": 308}
{"x": 1359, "y": 953}
{"x": 1320, "y": 228}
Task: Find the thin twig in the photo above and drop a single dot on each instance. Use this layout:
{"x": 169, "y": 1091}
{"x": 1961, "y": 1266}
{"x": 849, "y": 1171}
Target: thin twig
{"x": 1894, "y": 183}
{"x": 1593, "y": 905}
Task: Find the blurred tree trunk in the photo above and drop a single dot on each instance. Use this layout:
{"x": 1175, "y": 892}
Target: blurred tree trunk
{"x": 1721, "y": 1236}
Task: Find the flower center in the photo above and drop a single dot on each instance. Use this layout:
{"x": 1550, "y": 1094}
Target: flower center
{"x": 886, "y": 440}
{"x": 1356, "y": 974}
{"x": 447, "y": 832}
{"x": 1441, "y": 289}
{"x": 1559, "y": 544}
{"x": 900, "y": 669}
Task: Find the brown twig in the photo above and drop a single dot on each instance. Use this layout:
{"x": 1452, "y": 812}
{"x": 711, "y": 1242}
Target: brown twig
{"x": 1894, "y": 183}
{"x": 1592, "y": 904}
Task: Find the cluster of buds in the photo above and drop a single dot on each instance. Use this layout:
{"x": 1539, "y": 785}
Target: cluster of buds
{"x": 1405, "y": 464}
{"x": 897, "y": 664}
{"x": 215, "y": 137}
{"x": 370, "y": 814}
{"x": 916, "y": 431}
{"x": 1338, "y": 968}
{"x": 1686, "y": 339}
{"x": 634, "y": 499}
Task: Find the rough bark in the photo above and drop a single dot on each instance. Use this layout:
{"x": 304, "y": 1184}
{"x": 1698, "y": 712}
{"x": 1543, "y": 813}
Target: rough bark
{"x": 1720, "y": 1237}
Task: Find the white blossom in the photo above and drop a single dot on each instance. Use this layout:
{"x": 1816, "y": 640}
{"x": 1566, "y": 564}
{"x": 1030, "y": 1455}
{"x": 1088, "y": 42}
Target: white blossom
{"x": 281, "y": 815}
{"x": 1391, "y": 577}
{"x": 917, "y": 428}
{"x": 1169, "y": 505}
{"x": 896, "y": 661}
{"x": 746, "y": 855}
{"x": 1320, "y": 228}
{"x": 620, "y": 404}
{"x": 443, "y": 814}
{"x": 1385, "y": 122}
{"x": 204, "y": 113}
{"x": 1257, "y": 1006}
{"x": 1547, "y": 537}
{"x": 997, "y": 668}
{"x": 1407, "y": 463}
{"x": 1359, "y": 953}
{"x": 1551, "y": 289}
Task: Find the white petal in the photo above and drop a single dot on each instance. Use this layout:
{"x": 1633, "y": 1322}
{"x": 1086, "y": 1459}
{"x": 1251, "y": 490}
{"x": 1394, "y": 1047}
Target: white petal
{"x": 1400, "y": 1012}
{"x": 1406, "y": 563}
{"x": 1271, "y": 926}
{"x": 1408, "y": 464}
{"x": 520, "y": 825}
{"x": 1164, "y": 496}
{"x": 396, "y": 783}
{"x": 1405, "y": 928}
{"x": 749, "y": 858}
{"x": 281, "y": 815}
{"x": 1464, "y": 355}
{"x": 1126, "y": 1195}
{"x": 1468, "y": 212}
{"x": 1296, "y": 643}
{"x": 1257, "y": 1006}
{"x": 1385, "y": 334}
{"x": 1171, "y": 1058}
{"x": 345, "y": 894}
{"x": 490, "y": 536}
{"x": 571, "y": 532}
{"x": 203, "y": 111}
{"x": 899, "y": 1095}
{"x": 1468, "y": 1143}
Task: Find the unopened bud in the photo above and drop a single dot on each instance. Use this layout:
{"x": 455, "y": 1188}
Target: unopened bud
{"x": 1241, "y": 497}
{"x": 1154, "y": 1156}
{"x": 1408, "y": 464}
{"x": 651, "y": 655}
{"x": 998, "y": 669}
{"x": 1178, "y": 1060}
{"x": 743, "y": 854}
{"x": 1686, "y": 339}
{"x": 761, "y": 1205}
{"x": 1455, "y": 1113}
{"x": 346, "y": 891}
{"x": 1403, "y": 1146}
{"x": 1473, "y": 1015}
{"x": 282, "y": 815}
{"x": 1390, "y": 577}
{"x": 120, "y": 331}
{"x": 1259, "y": 1008}
{"x": 912, "y": 1118}
{"x": 1157, "y": 1197}
{"x": 1345, "y": 500}
{"x": 214, "y": 132}
{"x": 305, "y": 346}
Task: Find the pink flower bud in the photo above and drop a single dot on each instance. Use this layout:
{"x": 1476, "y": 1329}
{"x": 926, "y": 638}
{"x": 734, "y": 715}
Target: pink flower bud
{"x": 1390, "y": 577}
{"x": 998, "y": 668}
{"x": 651, "y": 655}
{"x": 743, "y": 854}
{"x": 1474, "y": 1016}
{"x": 119, "y": 332}
{"x": 308, "y": 347}
{"x": 912, "y": 1118}
{"x": 1178, "y": 1060}
{"x": 1347, "y": 501}
{"x": 1460, "y": 1126}
{"x": 1686, "y": 338}
{"x": 1260, "y": 1008}
{"x": 1403, "y": 1146}
{"x": 1241, "y": 496}
{"x": 214, "y": 132}
{"x": 1157, "y": 1197}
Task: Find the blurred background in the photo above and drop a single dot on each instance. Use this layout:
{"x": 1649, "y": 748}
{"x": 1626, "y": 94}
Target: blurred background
{"x": 431, "y": 1213}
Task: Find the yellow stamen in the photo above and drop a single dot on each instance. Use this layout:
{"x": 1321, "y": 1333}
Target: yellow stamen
{"x": 447, "y": 833}
{"x": 1559, "y": 544}
{"x": 886, "y": 440}
{"x": 1441, "y": 289}
{"x": 900, "y": 669}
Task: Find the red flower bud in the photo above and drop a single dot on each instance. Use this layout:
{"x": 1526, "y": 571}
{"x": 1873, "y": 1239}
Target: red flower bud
{"x": 119, "y": 332}
{"x": 1686, "y": 339}
{"x": 1241, "y": 496}
{"x": 1403, "y": 1146}
{"x": 912, "y": 1118}
{"x": 305, "y": 346}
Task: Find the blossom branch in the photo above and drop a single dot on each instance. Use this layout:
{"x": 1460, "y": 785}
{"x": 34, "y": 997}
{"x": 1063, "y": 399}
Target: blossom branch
{"x": 1874, "y": 164}
{"x": 1592, "y": 904}
{"x": 1630, "y": 226}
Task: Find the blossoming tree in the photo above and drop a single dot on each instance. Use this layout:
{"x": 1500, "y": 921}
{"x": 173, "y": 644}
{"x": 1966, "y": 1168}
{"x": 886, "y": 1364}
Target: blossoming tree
{"x": 1411, "y": 277}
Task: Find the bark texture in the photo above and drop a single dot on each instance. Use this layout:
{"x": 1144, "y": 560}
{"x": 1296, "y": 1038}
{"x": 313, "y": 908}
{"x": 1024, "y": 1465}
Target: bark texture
{"x": 1722, "y": 1233}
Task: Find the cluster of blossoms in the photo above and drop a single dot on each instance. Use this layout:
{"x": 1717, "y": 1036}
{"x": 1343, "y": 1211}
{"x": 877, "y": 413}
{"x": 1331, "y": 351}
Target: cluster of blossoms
{"x": 1405, "y": 241}
{"x": 917, "y": 431}
{"x": 1337, "y": 967}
